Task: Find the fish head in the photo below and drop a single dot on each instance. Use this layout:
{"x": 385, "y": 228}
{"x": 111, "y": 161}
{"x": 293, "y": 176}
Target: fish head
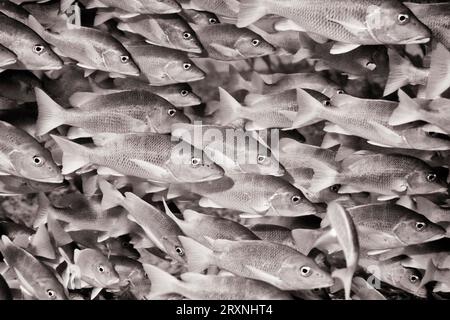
{"x": 119, "y": 60}
{"x": 174, "y": 248}
{"x": 391, "y": 22}
{"x": 299, "y": 271}
{"x": 39, "y": 56}
{"x": 416, "y": 229}
{"x": 422, "y": 139}
{"x": 189, "y": 164}
{"x": 408, "y": 279}
{"x": 291, "y": 202}
{"x": 181, "y": 95}
{"x": 200, "y": 18}
{"x": 259, "y": 159}
{"x": 35, "y": 163}
{"x": 120, "y": 247}
{"x": 250, "y": 44}
{"x": 163, "y": 118}
{"x": 425, "y": 181}
{"x": 183, "y": 37}
{"x": 96, "y": 268}
{"x": 160, "y": 6}
{"x": 183, "y": 70}
{"x": 49, "y": 289}
{"x": 326, "y": 195}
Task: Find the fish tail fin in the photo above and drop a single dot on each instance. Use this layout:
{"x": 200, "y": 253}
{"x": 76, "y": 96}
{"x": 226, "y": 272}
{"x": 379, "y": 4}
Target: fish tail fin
{"x": 37, "y": 27}
{"x": 162, "y": 282}
{"x": 439, "y": 79}
{"x": 346, "y": 276}
{"x": 111, "y": 196}
{"x": 169, "y": 212}
{"x": 75, "y": 156}
{"x": 50, "y": 114}
{"x": 229, "y": 109}
{"x": 429, "y": 273}
{"x": 398, "y": 74}
{"x": 302, "y": 54}
{"x": 237, "y": 81}
{"x": 198, "y": 256}
{"x": 406, "y": 111}
{"x": 308, "y": 109}
{"x": 250, "y": 11}
{"x": 304, "y": 239}
{"x": 41, "y": 245}
{"x": 102, "y": 16}
{"x": 324, "y": 178}
{"x": 44, "y": 210}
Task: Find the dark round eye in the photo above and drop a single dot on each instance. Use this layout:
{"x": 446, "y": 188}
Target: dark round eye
{"x": 432, "y": 134}
{"x": 101, "y": 268}
{"x": 403, "y": 18}
{"x": 335, "y": 188}
{"x": 51, "y": 293}
{"x": 305, "y": 271}
{"x": 340, "y": 91}
{"x": 296, "y": 199}
{"x": 124, "y": 59}
{"x": 195, "y": 162}
{"x": 171, "y": 112}
{"x": 431, "y": 177}
{"x": 187, "y": 36}
{"x": 179, "y": 250}
{"x": 326, "y": 103}
{"x": 371, "y": 66}
{"x": 420, "y": 226}
{"x": 186, "y": 66}
{"x": 212, "y": 20}
{"x": 38, "y": 161}
{"x": 255, "y": 42}
{"x": 184, "y": 93}
{"x": 38, "y": 49}
{"x": 413, "y": 278}
{"x": 261, "y": 158}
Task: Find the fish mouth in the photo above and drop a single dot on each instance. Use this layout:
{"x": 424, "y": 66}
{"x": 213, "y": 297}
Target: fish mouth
{"x": 57, "y": 179}
{"x": 54, "y": 67}
{"x": 8, "y": 62}
{"x": 417, "y": 40}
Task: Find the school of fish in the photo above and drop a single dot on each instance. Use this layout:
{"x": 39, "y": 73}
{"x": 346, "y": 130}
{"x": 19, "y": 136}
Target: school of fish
{"x": 224, "y": 149}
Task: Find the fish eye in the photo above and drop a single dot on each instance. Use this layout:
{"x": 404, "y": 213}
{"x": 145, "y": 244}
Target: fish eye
{"x": 38, "y": 161}
{"x": 195, "y": 162}
{"x": 305, "y": 271}
{"x": 51, "y": 293}
{"x": 420, "y": 226}
{"x": 413, "y": 278}
{"x": 403, "y": 18}
{"x": 212, "y": 20}
{"x": 124, "y": 59}
{"x": 184, "y": 93}
{"x": 38, "y": 49}
{"x": 261, "y": 158}
{"x": 335, "y": 188}
{"x": 431, "y": 177}
{"x": 340, "y": 91}
{"x": 432, "y": 134}
{"x": 371, "y": 66}
{"x": 296, "y": 199}
{"x": 326, "y": 103}
{"x": 186, "y": 66}
{"x": 101, "y": 268}
{"x": 171, "y": 112}
{"x": 255, "y": 42}
{"x": 179, "y": 250}
{"x": 187, "y": 36}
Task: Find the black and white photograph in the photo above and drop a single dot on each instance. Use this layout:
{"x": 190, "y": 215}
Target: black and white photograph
{"x": 224, "y": 150}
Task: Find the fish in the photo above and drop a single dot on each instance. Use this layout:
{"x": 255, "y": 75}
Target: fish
{"x": 431, "y": 111}
{"x": 276, "y": 264}
{"x": 152, "y": 156}
{"x": 24, "y": 157}
{"x": 134, "y": 6}
{"x": 168, "y": 31}
{"x": 36, "y": 279}
{"x": 228, "y": 43}
{"x": 391, "y": 175}
{"x": 224, "y": 146}
{"x": 200, "y": 226}
{"x": 32, "y": 52}
{"x": 178, "y": 94}
{"x": 370, "y": 123}
{"x": 256, "y": 195}
{"x": 227, "y": 10}
{"x": 210, "y": 287}
{"x": 99, "y": 50}
{"x": 132, "y": 275}
{"x": 119, "y": 112}
{"x": 200, "y": 18}
{"x": 14, "y": 11}
{"x": 159, "y": 227}
{"x": 370, "y": 23}
{"x": 163, "y": 66}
